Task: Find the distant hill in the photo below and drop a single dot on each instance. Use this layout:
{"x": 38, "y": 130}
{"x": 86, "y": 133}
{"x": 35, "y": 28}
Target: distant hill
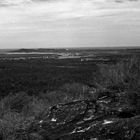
{"x": 24, "y": 50}
{"x": 37, "y": 50}
{"x": 60, "y": 50}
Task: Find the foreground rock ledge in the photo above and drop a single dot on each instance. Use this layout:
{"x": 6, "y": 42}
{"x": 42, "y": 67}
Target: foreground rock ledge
{"x": 103, "y": 119}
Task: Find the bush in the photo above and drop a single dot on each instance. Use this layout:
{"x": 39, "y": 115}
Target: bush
{"x": 14, "y": 102}
{"x": 35, "y": 107}
{"x": 122, "y": 77}
{"x": 75, "y": 90}
{"x": 17, "y": 112}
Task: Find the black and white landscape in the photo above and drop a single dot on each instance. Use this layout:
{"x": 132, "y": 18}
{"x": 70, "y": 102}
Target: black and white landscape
{"x": 70, "y": 94}
{"x": 69, "y": 70}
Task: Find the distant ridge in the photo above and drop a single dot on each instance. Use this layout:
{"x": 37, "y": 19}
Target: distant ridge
{"x": 36, "y": 50}
{"x": 24, "y": 50}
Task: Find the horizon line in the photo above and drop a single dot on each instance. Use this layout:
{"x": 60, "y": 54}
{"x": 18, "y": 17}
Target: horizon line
{"x": 109, "y": 47}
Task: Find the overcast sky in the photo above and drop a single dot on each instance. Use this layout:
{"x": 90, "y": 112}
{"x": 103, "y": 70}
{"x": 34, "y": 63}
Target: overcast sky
{"x": 69, "y": 23}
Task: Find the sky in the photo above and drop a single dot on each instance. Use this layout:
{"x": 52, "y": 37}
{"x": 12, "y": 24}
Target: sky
{"x": 69, "y": 23}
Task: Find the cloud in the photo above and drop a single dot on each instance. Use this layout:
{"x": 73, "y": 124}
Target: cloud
{"x": 14, "y": 2}
{"x": 68, "y": 20}
{"x": 23, "y": 13}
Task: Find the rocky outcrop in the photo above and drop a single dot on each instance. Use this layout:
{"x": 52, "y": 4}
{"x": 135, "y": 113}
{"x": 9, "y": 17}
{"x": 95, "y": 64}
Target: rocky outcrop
{"x": 102, "y": 119}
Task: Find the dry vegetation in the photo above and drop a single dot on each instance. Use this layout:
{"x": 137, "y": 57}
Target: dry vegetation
{"x": 18, "y": 111}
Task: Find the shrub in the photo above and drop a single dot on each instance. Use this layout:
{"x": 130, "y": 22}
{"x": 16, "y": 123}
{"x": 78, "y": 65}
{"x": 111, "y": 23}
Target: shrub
{"x": 123, "y": 76}
{"x": 9, "y": 123}
{"x": 18, "y": 111}
{"x": 34, "y": 107}
{"x": 14, "y": 102}
{"x": 75, "y": 90}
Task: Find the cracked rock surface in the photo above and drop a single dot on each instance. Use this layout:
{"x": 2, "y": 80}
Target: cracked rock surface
{"x": 102, "y": 119}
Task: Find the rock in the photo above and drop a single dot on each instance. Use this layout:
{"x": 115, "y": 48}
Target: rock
{"x": 103, "y": 119}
